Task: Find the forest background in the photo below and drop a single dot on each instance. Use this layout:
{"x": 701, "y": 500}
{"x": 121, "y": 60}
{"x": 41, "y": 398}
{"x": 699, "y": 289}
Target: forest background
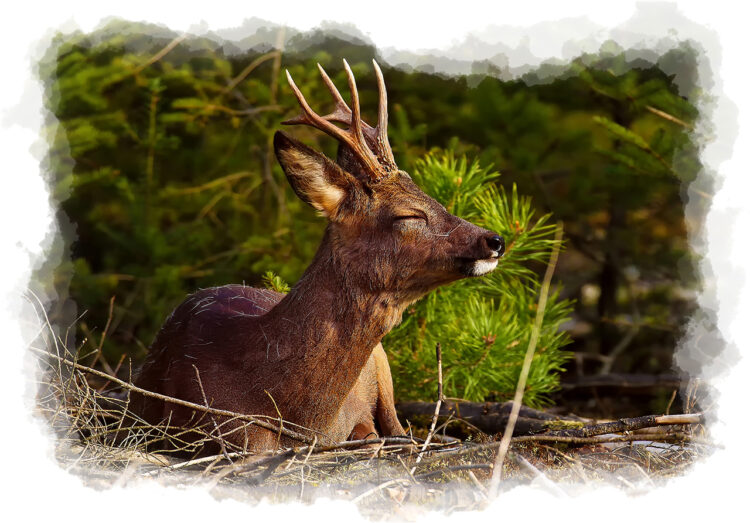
{"x": 162, "y": 158}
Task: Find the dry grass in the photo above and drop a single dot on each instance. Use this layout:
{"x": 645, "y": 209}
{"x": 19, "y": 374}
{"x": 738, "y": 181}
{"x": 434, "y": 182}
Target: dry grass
{"x": 387, "y": 476}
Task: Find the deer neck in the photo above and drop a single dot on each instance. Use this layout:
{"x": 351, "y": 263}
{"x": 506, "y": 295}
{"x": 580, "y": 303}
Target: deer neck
{"x": 328, "y": 326}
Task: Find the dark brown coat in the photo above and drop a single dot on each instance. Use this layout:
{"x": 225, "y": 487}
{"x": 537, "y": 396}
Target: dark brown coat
{"x": 314, "y": 356}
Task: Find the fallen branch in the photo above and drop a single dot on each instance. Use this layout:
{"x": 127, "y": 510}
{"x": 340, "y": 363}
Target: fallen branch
{"x": 595, "y": 440}
{"x": 489, "y": 417}
{"x": 628, "y": 425}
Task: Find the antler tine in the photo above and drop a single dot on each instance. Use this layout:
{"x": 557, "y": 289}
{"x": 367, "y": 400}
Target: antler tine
{"x": 312, "y": 118}
{"x": 341, "y": 113}
{"x": 383, "y": 103}
{"x": 384, "y": 147}
{"x": 353, "y": 137}
{"x": 356, "y": 125}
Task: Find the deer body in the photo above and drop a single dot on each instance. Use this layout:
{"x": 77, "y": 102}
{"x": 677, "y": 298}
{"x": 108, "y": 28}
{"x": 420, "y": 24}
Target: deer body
{"x": 226, "y": 335}
{"x": 313, "y": 357}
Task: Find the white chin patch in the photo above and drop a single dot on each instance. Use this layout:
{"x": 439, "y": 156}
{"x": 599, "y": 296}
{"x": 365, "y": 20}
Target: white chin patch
{"x": 482, "y": 267}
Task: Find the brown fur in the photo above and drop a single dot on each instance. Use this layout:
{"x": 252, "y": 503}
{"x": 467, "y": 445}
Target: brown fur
{"x": 315, "y": 353}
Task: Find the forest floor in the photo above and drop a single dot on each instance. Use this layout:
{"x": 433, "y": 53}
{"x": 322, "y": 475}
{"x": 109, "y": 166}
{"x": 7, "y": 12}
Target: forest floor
{"x": 388, "y": 480}
{"x": 429, "y": 470}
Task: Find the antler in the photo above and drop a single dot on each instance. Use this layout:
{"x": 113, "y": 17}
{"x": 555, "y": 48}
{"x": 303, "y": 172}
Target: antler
{"x": 377, "y": 156}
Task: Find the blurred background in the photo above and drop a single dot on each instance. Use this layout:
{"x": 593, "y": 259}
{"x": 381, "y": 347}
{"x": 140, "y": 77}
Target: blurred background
{"x": 161, "y": 158}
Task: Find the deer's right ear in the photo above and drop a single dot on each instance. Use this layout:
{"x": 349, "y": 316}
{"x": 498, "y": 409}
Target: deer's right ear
{"x": 316, "y": 179}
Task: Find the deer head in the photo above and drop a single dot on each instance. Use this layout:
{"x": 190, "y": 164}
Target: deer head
{"x": 384, "y": 233}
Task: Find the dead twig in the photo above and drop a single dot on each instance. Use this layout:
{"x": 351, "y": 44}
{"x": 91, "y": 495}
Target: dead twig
{"x": 252, "y": 419}
{"x": 281, "y": 420}
{"x": 218, "y": 437}
{"x": 104, "y": 332}
{"x": 482, "y": 489}
{"x": 378, "y": 488}
{"x": 161, "y": 54}
{"x": 668, "y": 116}
{"x": 439, "y": 356}
{"x": 538, "y": 474}
{"x": 249, "y": 69}
{"x": 272, "y": 463}
{"x": 521, "y": 385}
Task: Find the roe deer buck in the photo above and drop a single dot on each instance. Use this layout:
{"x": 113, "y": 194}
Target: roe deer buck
{"x": 313, "y": 356}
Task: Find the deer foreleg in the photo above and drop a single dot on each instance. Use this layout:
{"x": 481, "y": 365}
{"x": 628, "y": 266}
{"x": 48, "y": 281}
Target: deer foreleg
{"x": 385, "y": 410}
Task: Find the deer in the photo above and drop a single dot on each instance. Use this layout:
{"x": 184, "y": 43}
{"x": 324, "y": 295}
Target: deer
{"x": 313, "y": 357}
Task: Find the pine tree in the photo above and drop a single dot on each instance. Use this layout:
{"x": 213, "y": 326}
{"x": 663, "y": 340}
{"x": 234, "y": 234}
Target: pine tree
{"x": 483, "y": 324}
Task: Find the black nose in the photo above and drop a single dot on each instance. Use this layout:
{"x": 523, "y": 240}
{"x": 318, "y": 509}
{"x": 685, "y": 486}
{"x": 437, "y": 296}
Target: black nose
{"x": 496, "y": 243}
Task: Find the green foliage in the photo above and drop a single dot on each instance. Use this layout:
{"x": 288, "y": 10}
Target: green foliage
{"x": 453, "y": 182}
{"x": 163, "y": 162}
{"x": 274, "y": 282}
{"x": 484, "y": 325}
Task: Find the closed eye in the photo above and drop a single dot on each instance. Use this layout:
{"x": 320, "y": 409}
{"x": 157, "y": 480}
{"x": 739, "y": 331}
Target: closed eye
{"x": 410, "y": 222}
{"x": 411, "y": 215}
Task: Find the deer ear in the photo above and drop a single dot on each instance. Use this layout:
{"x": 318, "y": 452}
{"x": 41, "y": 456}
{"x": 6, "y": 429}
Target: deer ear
{"x": 316, "y": 179}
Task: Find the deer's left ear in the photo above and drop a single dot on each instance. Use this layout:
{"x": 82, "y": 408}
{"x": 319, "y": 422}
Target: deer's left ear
{"x": 316, "y": 179}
